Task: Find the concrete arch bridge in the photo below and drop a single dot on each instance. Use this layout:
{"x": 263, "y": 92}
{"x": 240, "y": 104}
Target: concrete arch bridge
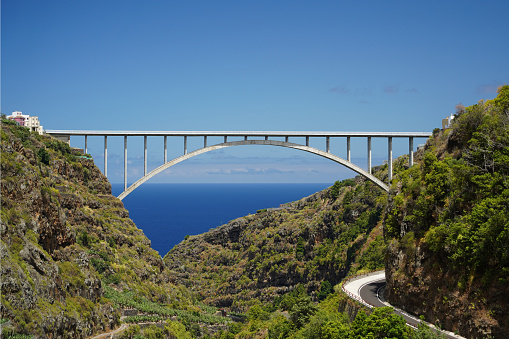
{"x": 249, "y": 138}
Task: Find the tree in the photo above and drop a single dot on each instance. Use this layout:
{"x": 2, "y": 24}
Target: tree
{"x": 335, "y": 330}
{"x": 382, "y": 323}
{"x": 302, "y": 311}
{"x": 280, "y": 327}
{"x": 325, "y": 290}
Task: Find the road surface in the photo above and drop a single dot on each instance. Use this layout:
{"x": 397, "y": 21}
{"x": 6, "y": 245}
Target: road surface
{"x": 368, "y": 290}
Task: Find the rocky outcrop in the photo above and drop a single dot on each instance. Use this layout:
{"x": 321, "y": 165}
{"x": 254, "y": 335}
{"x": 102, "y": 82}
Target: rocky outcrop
{"x": 63, "y": 236}
{"x": 418, "y": 284}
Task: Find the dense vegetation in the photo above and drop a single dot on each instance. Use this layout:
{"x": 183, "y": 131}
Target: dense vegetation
{"x": 325, "y": 320}
{"x": 314, "y": 242}
{"x": 453, "y": 210}
{"x": 72, "y": 260}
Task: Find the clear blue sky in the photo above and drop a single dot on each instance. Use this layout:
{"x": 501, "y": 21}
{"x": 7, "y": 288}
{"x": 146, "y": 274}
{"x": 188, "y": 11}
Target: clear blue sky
{"x": 249, "y": 65}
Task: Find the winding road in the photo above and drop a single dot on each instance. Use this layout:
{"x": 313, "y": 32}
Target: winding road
{"x": 368, "y": 290}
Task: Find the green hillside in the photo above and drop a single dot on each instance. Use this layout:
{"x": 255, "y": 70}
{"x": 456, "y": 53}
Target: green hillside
{"x": 71, "y": 259}
{"x": 258, "y": 258}
{"x": 74, "y": 265}
{"x": 447, "y": 224}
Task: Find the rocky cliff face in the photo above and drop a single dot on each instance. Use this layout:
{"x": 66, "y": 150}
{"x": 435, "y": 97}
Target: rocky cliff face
{"x": 263, "y": 256}
{"x": 447, "y": 225}
{"x": 63, "y": 235}
{"x": 420, "y": 284}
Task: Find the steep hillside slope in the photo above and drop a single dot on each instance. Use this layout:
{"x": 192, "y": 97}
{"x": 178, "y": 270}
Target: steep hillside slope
{"x": 64, "y": 240}
{"x": 448, "y": 219}
{"x": 314, "y": 242}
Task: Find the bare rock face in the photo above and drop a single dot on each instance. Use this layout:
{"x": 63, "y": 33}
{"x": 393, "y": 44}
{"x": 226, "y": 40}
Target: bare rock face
{"x": 417, "y": 284}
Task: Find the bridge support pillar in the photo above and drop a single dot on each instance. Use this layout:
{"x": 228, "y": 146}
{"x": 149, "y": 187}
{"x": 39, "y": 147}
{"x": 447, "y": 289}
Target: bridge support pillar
{"x": 389, "y": 158}
{"x": 410, "y": 151}
{"x": 145, "y": 155}
{"x": 165, "y": 149}
{"x": 286, "y": 139}
{"x": 63, "y": 137}
{"x": 327, "y": 142}
{"x": 369, "y": 155}
{"x": 245, "y": 138}
{"x": 348, "y": 149}
{"x": 86, "y": 145}
{"x": 225, "y": 139}
{"x": 105, "y": 155}
{"x": 204, "y": 141}
{"x": 307, "y": 141}
{"x": 125, "y": 162}
{"x": 185, "y": 144}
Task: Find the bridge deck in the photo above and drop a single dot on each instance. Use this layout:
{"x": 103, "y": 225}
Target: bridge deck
{"x": 245, "y": 133}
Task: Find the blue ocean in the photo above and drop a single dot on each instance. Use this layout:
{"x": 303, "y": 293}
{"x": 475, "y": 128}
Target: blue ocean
{"x": 168, "y": 212}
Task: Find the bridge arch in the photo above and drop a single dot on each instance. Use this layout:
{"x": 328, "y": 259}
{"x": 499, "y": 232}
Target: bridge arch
{"x": 253, "y": 142}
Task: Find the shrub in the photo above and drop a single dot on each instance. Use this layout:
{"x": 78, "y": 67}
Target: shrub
{"x": 325, "y": 290}
{"x": 299, "y": 249}
{"x": 43, "y": 156}
{"x": 84, "y": 239}
{"x": 302, "y": 311}
{"x": 257, "y": 313}
{"x": 280, "y": 327}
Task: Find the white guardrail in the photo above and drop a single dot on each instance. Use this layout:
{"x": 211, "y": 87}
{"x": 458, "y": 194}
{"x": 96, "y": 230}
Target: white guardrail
{"x": 358, "y": 277}
{"x": 358, "y": 298}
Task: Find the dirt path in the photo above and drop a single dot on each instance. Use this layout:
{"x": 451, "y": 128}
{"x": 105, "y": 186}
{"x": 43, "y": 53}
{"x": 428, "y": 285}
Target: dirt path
{"x": 111, "y": 333}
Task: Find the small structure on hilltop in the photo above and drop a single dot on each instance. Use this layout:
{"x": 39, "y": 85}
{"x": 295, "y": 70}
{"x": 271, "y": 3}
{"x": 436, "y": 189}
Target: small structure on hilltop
{"x": 446, "y": 123}
{"x": 26, "y": 120}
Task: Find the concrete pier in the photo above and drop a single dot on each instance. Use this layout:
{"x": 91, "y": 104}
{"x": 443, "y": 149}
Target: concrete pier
{"x": 348, "y": 149}
{"x": 165, "y": 149}
{"x": 389, "y": 158}
{"x": 145, "y": 155}
{"x": 369, "y": 155}
{"x": 106, "y": 155}
{"x": 410, "y": 151}
{"x": 125, "y": 162}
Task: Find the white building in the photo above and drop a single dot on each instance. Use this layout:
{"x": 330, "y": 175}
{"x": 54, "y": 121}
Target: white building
{"x": 446, "y": 123}
{"x": 27, "y": 121}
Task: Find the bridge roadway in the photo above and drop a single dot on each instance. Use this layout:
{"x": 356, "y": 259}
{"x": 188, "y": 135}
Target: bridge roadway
{"x": 243, "y": 133}
{"x": 65, "y": 135}
{"x": 368, "y": 290}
